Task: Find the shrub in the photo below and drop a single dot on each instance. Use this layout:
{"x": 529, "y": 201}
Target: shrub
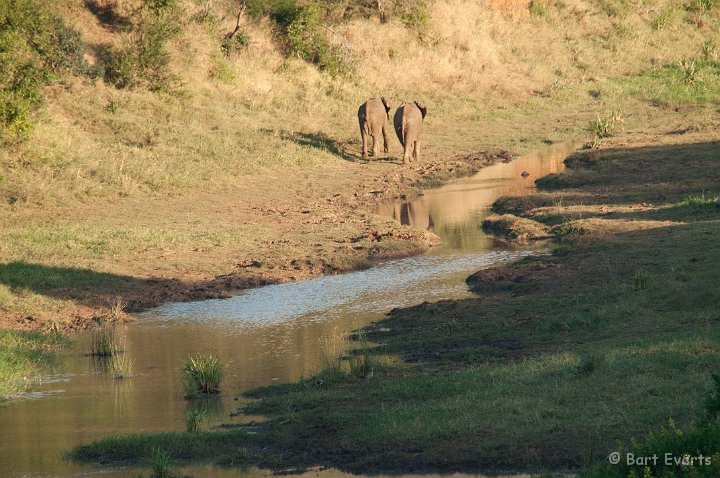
{"x": 414, "y": 15}
{"x": 307, "y": 40}
{"x": 143, "y": 59}
{"x": 35, "y": 48}
{"x": 281, "y": 12}
{"x": 203, "y": 374}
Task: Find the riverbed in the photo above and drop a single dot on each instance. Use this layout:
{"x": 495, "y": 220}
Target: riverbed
{"x": 268, "y": 335}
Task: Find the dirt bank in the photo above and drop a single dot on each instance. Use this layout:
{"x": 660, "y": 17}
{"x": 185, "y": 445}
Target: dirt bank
{"x": 293, "y": 232}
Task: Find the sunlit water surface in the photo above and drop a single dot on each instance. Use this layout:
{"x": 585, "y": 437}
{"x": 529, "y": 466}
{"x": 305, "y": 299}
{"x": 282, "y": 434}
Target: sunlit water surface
{"x": 268, "y": 335}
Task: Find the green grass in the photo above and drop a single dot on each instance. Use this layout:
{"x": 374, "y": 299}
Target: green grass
{"x": 697, "y": 442}
{"x": 23, "y": 356}
{"x": 202, "y": 375}
{"x": 161, "y": 464}
{"x": 141, "y": 448}
{"x": 689, "y": 81}
{"x": 697, "y": 201}
{"x": 195, "y": 420}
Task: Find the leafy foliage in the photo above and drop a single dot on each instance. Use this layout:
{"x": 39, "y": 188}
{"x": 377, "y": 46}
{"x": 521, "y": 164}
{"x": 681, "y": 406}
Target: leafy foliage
{"x": 36, "y": 47}
{"x": 143, "y": 59}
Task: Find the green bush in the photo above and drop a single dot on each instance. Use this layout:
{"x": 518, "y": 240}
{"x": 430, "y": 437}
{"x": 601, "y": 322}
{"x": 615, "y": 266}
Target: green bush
{"x": 36, "y": 47}
{"x": 143, "y": 59}
{"x": 281, "y": 12}
{"x": 414, "y": 15}
{"x": 307, "y": 40}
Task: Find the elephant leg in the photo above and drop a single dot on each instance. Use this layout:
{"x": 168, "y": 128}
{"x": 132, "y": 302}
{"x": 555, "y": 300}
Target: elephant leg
{"x": 385, "y": 136}
{"x": 416, "y": 150}
{"x": 408, "y": 147}
{"x": 363, "y": 134}
{"x": 407, "y": 153}
{"x": 374, "y": 143}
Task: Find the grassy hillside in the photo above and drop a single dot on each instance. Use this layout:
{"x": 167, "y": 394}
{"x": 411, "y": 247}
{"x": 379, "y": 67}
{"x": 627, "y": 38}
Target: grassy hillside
{"x": 148, "y": 143}
{"x": 194, "y": 116}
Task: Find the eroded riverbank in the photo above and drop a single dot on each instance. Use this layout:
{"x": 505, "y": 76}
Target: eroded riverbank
{"x": 268, "y": 335}
{"x": 558, "y": 359}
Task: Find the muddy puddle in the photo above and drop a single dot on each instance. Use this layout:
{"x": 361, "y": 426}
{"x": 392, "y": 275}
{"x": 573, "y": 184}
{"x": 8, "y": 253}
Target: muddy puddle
{"x": 268, "y": 335}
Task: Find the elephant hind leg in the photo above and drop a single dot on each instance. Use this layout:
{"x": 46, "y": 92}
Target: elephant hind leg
{"x": 416, "y": 150}
{"x": 375, "y": 134}
{"x": 385, "y": 138}
{"x": 407, "y": 148}
{"x": 364, "y": 136}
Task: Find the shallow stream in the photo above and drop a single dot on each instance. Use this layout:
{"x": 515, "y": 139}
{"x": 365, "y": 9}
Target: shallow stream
{"x": 268, "y": 335}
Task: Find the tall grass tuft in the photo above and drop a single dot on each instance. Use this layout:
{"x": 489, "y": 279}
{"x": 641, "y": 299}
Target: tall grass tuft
{"x": 642, "y": 280}
{"x": 105, "y": 342}
{"x": 333, "y": 348}
{"x": 603, "y": 128}
{"x": 702, "y": 200}
{"x": 121, "y": 366}
{"x": 195, "y": 420}
{"x": 362, "y": 364}
{"x": 161, "y": 464}
{"x": 589, "y": 363}
{"x": 203, "y": 374}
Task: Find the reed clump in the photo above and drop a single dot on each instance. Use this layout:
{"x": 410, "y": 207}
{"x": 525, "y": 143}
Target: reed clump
{"x": 105, "y": 342}
{"x": 202, "y": 374}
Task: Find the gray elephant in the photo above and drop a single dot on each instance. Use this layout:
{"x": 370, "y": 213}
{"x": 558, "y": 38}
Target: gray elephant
{"x": 373, "y": 116}
{"x": 408, "y": 126}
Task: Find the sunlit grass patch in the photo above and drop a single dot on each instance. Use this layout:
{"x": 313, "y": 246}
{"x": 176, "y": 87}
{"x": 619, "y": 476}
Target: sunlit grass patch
{"x": 23, "y": 356}
{"x": 688, "y": 81}
{"x": 698, "y": 201}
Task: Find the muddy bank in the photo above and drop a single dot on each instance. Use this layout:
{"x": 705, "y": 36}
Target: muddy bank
{"x": 299, "y": 254}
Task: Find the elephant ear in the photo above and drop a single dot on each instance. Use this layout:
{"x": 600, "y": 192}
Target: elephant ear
{"x": 387, "y": 105}
{"x": 422, "y": 108}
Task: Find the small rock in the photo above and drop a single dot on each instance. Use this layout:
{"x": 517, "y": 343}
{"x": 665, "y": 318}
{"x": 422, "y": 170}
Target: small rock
{"x": 525, "y": 174}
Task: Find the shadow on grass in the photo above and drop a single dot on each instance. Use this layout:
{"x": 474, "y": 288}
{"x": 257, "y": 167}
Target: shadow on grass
{"x": 107, "y": 15}
{"x": 102, "y": 290}
{"x": 324, "y": 142}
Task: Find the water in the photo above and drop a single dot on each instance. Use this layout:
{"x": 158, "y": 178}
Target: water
{"x": 269, "y": 335}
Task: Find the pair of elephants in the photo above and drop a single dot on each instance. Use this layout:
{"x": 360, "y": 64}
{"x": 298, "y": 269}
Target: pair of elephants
{"x": 374, "y": 115}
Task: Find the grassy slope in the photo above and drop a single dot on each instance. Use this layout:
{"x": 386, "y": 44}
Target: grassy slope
{"x": 133, "y": 185}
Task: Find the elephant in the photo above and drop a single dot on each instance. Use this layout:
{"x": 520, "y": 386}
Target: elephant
{"x": 373, "y": 116}
{"x": 408, "y": 126}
